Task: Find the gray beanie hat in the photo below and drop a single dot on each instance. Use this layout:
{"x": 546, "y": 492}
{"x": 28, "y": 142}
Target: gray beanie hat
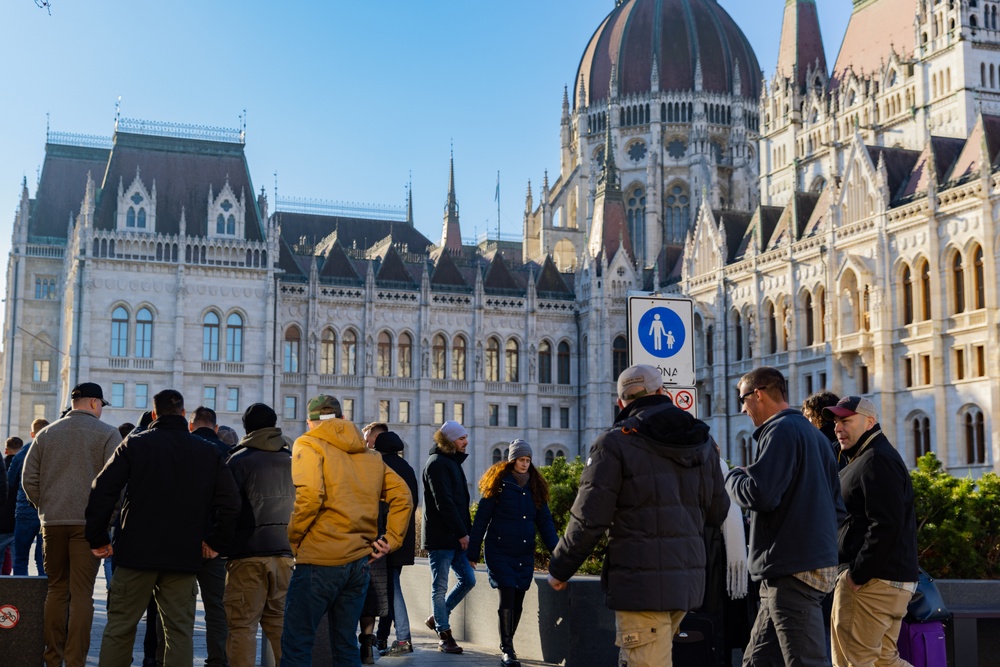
{"x": 452, "y": 430}
{"x": 517, "y": 449}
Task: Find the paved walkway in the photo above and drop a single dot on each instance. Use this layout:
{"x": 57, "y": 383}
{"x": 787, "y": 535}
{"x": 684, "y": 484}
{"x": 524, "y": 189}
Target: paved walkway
{"x": 425, "y": 653}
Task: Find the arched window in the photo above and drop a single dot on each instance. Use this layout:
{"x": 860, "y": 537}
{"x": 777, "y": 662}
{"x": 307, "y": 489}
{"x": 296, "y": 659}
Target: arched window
{"x": 458, "y": 358}
{"x": 349, "y": 353}
{"x": 738, "y": 335}
{"x": 144, "y": 334}
{"x": 552, "y": 454}
{"x": 327, "y": 352}
{"x": 807, "y": 307}
{"x": 635, "y": 206}
{"x": 676, "y": 210}
{"x": 562, "y": 363}
{"x": 498, "y": 455}
{"x": 921, "y": 433}
{"x": 230, "y": 224}
{"x": 958, "y": 283}
{"x": 907, "y": 296}
{"x": 404, "y": 356}
{"x": 439, "y": 356}
{"x": 772, "y": 334}
{"x": 141, "y": 220}
{"x": 493, "y": 360}
{"x": 119, "y": 332}
{"x": 383, "y": 363}
{"x": 545, "y": 362}
{"x": 924, "y": 274}
{"x": 512, "y": 362}
{"x": 210, "y": 337}
{"x": 220, "y": 224}
{"x": 130, "y": 217}
{"x": 290, "y": 350}
{"x": 234, "y": 338}
{"x": 821, "y": 299}
{"x": 745, "y": 450}
{"x": 975, "y": 436}
{"x": 619, "y": 356}
{"x": 979, "y": 282}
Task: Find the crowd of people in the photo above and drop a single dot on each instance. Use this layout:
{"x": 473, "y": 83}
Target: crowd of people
{"x": 277, "y": 535}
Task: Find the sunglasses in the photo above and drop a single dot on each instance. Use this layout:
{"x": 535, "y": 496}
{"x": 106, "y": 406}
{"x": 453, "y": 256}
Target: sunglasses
{"x": 747, "y": 395}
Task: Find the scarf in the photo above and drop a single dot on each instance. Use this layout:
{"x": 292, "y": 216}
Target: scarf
{"x": 734, "y": 538}
{"x": 520, "y": 477}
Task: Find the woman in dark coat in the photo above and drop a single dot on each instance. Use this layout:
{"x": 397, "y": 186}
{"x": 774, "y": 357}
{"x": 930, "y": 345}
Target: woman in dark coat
{"x": 514, "y": 504}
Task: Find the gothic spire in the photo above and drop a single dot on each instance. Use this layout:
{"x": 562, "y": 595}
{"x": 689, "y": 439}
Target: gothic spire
{"x": 801, "y": 45}
{"x": 451, "y": 233}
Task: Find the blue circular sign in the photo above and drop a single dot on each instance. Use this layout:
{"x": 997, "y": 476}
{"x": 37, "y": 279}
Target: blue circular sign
{"x": 661, "y": 332}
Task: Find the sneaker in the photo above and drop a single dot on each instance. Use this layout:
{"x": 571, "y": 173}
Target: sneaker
{"x": 430, "y": 623}
{"x": 400, "y": 648}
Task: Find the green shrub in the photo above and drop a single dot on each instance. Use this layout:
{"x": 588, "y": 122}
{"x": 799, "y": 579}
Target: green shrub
{"x": 564, "y": 479}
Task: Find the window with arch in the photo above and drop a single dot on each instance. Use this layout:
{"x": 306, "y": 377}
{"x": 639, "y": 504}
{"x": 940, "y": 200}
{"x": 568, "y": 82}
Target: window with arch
{"x": 119, "y": 332}
{"x": 552, "y": 454}
{"x": 920, "y": 430}
{"x": 439, "y": 356}
{"x": 738, "y": 334}
{"x": 404, "y": 355}
{"x": 498, "y": 455}
{"x": 144, "y": 333}
{"x": 234, "y": 337}
{"x": 512, "y": 361}
{"x": 635, "y": 207}
{"x": 978, "y": 278}
{"x": 327, "y": 352}
{"x": 619, "y": 356}
{"x": 907, "y": 280}
{"x": 975, "y": 436}
{"x": 924, "y": 275}
{"x": 677, "y": 209}
{"x": 349, "y": 353}
{"x": 744, "y": 443}
{"x": 807, "y": 308}
{"x": 493, "y": 360}
{"x": 383, "y": 356}
{"x": 210, "y": 336}
{"x": 772, "y": 333}
{"x": 562, "y": 363}
{"x": 291, "y": 349}
{"x": 958, "y": 283}
{"x": 545, "y": 362}
{"x": 458, "y": 348}
{"x": 821, "y": 299}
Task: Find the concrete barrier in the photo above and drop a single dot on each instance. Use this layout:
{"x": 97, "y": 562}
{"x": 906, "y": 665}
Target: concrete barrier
{"x": 22, "y": 630}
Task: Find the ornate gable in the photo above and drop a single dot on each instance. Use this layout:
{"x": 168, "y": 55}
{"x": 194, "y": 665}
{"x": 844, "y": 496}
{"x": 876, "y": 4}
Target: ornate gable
{"x": 226, "y": 212}
{"x": 136, "y": 210}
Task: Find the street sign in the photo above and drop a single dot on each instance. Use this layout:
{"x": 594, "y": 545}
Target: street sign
{"x": 685, "y": 398}
{"x": 661, "y": 334}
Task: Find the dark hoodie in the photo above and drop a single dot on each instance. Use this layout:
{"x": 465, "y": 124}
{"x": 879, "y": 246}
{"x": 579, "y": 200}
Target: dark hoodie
{"x": 653, "y": 482}
{"x": 262, "y": 467}
{"x": 446, "y": 517}
{"x": 390, "y": 446}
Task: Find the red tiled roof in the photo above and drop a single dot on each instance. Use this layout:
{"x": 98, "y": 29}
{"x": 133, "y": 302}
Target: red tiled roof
{"x": 872, "y": 28}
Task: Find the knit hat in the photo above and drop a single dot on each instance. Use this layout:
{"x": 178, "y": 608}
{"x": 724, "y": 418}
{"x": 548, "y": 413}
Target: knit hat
{"x": 388, "y": 442}
{"x": 258, "y": 416}
{"x": 639, "y": 380}
{"x": 517, "y": 449}
{"x": 452, "y": 430}
{"x": 324, "y": 407}
{"x": 851, "y": 405}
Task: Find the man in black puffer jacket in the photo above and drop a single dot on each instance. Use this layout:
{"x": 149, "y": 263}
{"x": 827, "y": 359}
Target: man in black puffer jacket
{"x": 260, "y": 558}
{"x": 653, "y": 482}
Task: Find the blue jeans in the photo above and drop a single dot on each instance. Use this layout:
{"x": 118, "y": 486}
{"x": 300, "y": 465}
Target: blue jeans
{"x": 465, "y": 579}
{"x": 314, "y": 590}
{"x": 397, "y": 609}
{"x": 26, "y": 531}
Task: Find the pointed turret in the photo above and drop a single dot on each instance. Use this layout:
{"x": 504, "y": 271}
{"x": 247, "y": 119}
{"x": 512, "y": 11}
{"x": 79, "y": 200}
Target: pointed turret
{"x": 565, "y": 106}
{"x": 451, "y": 233}
{"x": 801, "y": 47}
{"x": 409, "y": 204}
{"x": 609, "y": 228}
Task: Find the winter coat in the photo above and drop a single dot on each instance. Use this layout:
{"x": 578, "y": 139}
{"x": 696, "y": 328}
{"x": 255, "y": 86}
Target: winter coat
{"x": 338, "y": 485}
{"x": 793, "y": 493}
{"x": 447, "y": 517}
{"x": 212, "y": 437}
{"x": 506, "y": 522}
{"x": 878, "y": 537}
{"x": 390, "y": 447}
{"x": 178, "y": 493}
{"x": 262, "y": 467}
{"x": 63, "y": 461}
{"x": 8, "y": 496}
{"x": 23, "y": 510}
{"x": 652, "y": 482}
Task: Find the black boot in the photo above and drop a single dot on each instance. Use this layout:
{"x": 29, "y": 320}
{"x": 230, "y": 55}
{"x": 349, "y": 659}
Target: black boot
{"x": 507, "y": 627}
{"x": 367, "y": 655}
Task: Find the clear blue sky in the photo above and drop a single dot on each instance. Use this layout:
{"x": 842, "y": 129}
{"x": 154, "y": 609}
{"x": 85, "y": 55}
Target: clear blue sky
{"x": 344, "y": 99}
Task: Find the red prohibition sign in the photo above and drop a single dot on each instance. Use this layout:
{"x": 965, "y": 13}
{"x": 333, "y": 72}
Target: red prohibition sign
{"x": 683, "y": 399}
{"x": 9, "y": 616}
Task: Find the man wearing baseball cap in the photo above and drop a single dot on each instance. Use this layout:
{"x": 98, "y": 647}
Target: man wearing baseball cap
{"x": 876, "y": 543}
{"x": 653, "y": 483}
{"x": 65, "y": 458}
{"x": 333, "y": 531}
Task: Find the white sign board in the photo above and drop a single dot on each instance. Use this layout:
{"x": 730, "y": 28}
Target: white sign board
{"x": 661, "y": 334}
{"x": 686, "y": 398}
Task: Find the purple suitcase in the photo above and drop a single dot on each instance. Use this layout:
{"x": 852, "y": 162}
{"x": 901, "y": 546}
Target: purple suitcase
{"x": 922, "y": 644}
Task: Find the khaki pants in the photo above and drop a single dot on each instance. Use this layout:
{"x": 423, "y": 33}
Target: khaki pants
{"x": 865, "y": 624}
{"x": 72, "y": 570}
{"x": 255, "y": 593}
{"x": 646, "y": 637}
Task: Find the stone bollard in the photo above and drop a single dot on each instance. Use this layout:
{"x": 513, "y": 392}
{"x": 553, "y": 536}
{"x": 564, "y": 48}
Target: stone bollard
{"x": 22, "y": 603}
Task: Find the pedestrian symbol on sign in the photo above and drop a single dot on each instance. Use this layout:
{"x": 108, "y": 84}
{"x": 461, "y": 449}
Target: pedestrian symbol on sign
{"x": 661, "y": 332}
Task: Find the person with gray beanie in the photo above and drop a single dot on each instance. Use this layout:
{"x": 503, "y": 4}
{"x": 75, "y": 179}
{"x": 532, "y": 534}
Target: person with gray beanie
{"x": 514, "y": 505}
{"x": 446, "y": 525}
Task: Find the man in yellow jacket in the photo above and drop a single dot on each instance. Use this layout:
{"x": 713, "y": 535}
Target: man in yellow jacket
{"x": 333, "y": 531}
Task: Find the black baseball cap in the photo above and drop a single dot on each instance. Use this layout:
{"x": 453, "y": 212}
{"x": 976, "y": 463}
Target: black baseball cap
{"x": 88, "y": 390}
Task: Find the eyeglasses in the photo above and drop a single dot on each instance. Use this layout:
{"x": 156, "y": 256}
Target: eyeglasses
{"x": 747, "y": 395}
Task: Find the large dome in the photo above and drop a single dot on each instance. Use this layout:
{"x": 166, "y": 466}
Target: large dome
{"x": 677, "y": 34}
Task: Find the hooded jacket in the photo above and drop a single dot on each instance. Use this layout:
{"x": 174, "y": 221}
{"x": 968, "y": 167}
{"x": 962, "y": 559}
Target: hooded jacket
{"x": 262, "y": 467}
{"x": 338, "y": 485}
{"x": 446, "y": 517}
{"x": 390, "y": 446}
{"x": 652, "y": 482}
{"x": 878, "y": 538}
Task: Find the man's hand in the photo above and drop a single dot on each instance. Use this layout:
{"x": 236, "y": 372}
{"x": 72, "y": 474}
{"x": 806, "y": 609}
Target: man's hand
{"x": 472, "y": 563}
{"x": 379, "y": 548}
{"x": 463, "y": 542}
{"x": 556, "y": 584}
{"x": 103, "y": 552}
{"x": 208, "y": 552}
